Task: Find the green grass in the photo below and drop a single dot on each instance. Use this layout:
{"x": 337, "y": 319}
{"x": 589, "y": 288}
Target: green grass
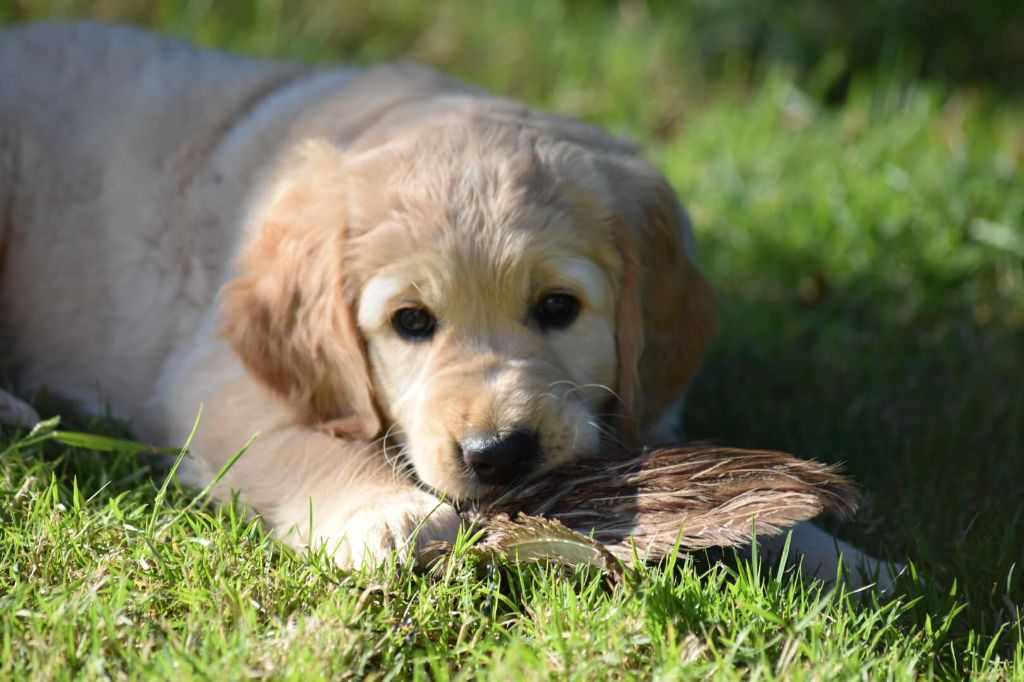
{"x": 869, "y": 261}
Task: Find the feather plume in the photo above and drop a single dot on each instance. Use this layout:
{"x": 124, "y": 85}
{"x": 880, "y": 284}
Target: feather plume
{"x": 717, "y": 496}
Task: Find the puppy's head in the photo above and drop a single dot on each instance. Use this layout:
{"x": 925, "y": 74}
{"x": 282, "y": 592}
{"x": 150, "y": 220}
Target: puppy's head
{"x": 495, "y": 294}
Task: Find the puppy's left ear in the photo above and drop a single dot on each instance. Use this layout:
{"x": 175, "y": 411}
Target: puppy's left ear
{"x": 286, "y": 314}
{"x": 666, "y": 308}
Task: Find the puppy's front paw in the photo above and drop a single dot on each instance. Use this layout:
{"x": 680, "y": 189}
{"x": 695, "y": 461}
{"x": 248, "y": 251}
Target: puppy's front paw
{"x": 389, "y": 521}
{"x": 880, "y": 577}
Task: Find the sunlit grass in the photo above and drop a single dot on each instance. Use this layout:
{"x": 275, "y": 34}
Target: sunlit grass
{"x": 100, "y": 579}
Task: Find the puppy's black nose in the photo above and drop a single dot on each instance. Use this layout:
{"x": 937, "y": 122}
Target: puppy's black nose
{"x": 500, "y": 458}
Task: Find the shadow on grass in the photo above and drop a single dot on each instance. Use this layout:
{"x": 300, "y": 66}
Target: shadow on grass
{"x": 919, "y": 394}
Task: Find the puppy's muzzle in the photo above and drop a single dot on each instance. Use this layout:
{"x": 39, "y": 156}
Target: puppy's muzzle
{"x": 496, "y": 459}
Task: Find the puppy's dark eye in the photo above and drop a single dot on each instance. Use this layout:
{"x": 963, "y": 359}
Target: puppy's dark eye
{"x": 414, "y": 324}
{"x": 556, "y": 311}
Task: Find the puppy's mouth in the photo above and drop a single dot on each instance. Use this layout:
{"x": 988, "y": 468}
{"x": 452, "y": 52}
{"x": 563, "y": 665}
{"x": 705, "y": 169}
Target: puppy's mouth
{"x": 482, "y": 463}
{"x": 469, "y": 462}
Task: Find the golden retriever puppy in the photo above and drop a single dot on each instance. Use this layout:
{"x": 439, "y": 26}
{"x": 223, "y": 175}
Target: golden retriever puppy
{"x": 411, "y": 291}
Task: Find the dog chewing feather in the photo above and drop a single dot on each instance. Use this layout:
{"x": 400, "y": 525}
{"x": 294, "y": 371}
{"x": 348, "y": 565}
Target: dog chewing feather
{"x": 600, "y": 510}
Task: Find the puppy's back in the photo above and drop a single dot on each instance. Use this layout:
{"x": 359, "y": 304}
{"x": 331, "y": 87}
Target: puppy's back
{"x": 107, "y": 256}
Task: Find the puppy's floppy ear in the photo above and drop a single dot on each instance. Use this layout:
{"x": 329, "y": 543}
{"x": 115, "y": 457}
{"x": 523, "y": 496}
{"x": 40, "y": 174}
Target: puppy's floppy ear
{"x": 286, "y": 313}
{"x": 666, "y": 308}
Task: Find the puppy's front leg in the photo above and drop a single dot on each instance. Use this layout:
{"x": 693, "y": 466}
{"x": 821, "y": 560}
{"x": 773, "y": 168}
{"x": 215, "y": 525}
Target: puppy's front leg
{"x": 311, "y": 488}
{"x": 318, "y": 491}
{"x": 346, "y": 498}
{"x": 820, "y": 554}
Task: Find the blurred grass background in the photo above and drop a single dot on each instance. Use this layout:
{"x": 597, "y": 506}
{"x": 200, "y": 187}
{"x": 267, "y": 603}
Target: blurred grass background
{"x": 854, "y": 174}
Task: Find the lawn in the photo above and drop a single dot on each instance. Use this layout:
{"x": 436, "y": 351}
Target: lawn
{"x": 863, "y": 225}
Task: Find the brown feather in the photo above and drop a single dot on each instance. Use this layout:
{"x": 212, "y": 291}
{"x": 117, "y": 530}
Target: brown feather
{"x": 719, "y": 496}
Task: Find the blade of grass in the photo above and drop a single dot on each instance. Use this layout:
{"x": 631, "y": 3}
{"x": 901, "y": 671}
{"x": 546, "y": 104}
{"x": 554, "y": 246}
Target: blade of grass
{"x": 162, "y": 493}
{"x": 216, "y": 479}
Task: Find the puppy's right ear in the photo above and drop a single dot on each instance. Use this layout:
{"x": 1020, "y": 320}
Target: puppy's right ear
{"x": 286, "y": 314}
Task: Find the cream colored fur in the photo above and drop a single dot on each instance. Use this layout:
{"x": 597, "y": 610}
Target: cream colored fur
{"x": 180, "y": 227}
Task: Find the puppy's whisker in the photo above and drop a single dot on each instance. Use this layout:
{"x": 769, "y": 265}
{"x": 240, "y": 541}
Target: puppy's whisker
{"x": 607, "y": 389}
{"x": 394, "y": 428}
{"x": 401, "y": 467}
{"x": 561, "y": 400}
{"x": 396, "y": 461}
{"x": 608, "y": 435}
{"x": 405, "y": 467}
{"x": 604, "y": 416}
{"x": 384, "y": 439}
{"x": 575, "y": 388}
